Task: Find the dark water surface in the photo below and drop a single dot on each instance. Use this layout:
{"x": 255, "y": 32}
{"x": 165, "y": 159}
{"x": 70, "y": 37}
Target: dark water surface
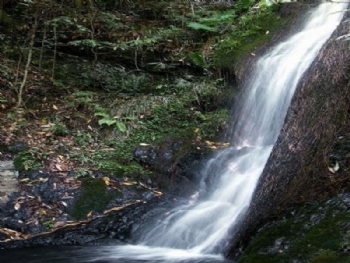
{"x": 81, "y": 255}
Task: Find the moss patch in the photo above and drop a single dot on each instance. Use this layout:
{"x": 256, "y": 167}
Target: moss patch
{"x": 254, "y": 31}
{"x": 312, "y": 233}
{"x": 94, "y": 197}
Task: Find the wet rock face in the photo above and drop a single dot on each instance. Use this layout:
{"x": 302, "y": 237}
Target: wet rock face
{"x": 112, "y": 207}
{"x": 46, "y": 201}
{"x": 315, "y": 232}
{"x": 17, "y": 147}
{"x": 176, "y": 168}
{"x": 41, "y": 200}
{"x": 297, "y": 170}
{"x": 340, "y": 155}
{"x": 161, "y": 159}
{"x": 8, "y": 180}
{"x": 113, "y": 227}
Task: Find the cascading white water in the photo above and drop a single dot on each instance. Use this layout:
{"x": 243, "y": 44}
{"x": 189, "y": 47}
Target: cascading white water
{"x": 194, "y": 231}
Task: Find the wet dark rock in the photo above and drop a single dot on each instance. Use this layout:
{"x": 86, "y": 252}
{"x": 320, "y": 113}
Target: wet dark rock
{"x": 3, "y": 236}
{"x": 43, "y": 196}
{"x": 149, "y": 182}
{"x": 3, "y": 149}
{"x": 17, "y": 147}
{"x": 160, "y": 158}
{"x": 316, "y": 218}
{"x": 148, "y": 195}
{"x": 176, "y": 166}
{"x": 340, "y": 154}
{"x": 279, "y": 246}
{"x": 191, "y": 164}
{"x": 286, "y": 239}
{"x": 48, "y": 200}
{"x": 116, "y": 226}
{"x": 32, "y": 174}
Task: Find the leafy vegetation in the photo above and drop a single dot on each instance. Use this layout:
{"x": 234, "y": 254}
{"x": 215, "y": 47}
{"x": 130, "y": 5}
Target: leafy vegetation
{"x": 89, "y": 81}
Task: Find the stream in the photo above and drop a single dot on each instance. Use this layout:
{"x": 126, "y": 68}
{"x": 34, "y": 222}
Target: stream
{"x": 196, "y": 232}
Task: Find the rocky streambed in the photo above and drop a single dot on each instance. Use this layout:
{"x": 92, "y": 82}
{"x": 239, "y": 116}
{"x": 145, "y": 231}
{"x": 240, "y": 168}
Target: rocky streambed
{"x": 61, "y": 208}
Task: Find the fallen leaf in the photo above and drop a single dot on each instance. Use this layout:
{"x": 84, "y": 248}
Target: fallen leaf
{"x": 106, "y": 180}
{"x": 17, "y": 206}
{"x": 58, "y": 167}
{"x": 58, "y": 224}
{"x": 43, "y": 179}
{"x": 335, "y": 168}
{"x": 128, "y": 183}
{"x": 24, "y": 180}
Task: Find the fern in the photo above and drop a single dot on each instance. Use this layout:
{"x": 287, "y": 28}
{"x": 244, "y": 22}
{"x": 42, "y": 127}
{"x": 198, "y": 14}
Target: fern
{"x": 199, "y": 26}
{"x": 198, "y": 59}
{"x": 108, "y": 122}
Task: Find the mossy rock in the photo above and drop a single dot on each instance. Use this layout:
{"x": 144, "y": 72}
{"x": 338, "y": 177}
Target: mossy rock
{"x": 312, "y": 233}
{"x": 255, "y": 34}
{"x": 94, "y": 197}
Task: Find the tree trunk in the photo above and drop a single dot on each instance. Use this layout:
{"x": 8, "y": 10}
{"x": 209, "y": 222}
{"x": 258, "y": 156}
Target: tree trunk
{"x": 297, "y": 169}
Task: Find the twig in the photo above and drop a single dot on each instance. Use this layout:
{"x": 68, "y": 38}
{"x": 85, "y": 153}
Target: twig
{"x": 29, "y": 60}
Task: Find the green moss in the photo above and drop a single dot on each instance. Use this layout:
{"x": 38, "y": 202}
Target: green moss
{"x": 5, "y": 18}
{"x": 254, "y": 30}
{"x": 130, "y": 169}
{"x": 304, "y": 240}
{"x": 94, "y": 197}
{"x": 325, "y": 256}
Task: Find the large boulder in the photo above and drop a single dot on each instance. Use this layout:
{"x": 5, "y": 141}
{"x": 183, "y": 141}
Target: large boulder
{"x": 297, "y": 169}
{"x": 176, "y": 165}
{"x": 314, "y": 232}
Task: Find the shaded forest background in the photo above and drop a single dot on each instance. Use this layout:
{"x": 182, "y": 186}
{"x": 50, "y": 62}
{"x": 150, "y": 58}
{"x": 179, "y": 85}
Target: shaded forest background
{"x": 84, "y": 82}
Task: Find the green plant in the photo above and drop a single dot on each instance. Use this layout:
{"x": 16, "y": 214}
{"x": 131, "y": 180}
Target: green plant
{"x": 83, "y": 138}
{"x": 213, "y": 124}
{"x": 107, "y": 119}
{"x": 83, "y": 97}
{"x": 81, "y": 172}
{"x": 49, "y": 224}
{"x": 59, "y": 129}
{"x": 29, "y": 160}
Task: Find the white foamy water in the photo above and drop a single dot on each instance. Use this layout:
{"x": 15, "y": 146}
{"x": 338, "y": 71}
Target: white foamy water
{"x": 195, "y": 231}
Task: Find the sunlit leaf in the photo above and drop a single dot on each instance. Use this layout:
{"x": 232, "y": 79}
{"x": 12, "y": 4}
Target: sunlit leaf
{"x": 199, "y": 26}
{"x": 121, "y": 126}
{"x": 108, "y": 122}
{"x": 106, "y": 180}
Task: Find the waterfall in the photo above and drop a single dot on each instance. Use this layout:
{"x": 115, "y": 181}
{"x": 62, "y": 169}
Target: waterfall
{"x": 195, "y": 230}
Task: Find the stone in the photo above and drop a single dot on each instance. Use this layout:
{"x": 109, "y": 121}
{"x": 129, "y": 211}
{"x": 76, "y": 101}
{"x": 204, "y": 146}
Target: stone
{"x": 8, "y": 180}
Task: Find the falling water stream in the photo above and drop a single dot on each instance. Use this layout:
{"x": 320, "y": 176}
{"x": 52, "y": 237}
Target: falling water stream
{"x": 193, "y": 232}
